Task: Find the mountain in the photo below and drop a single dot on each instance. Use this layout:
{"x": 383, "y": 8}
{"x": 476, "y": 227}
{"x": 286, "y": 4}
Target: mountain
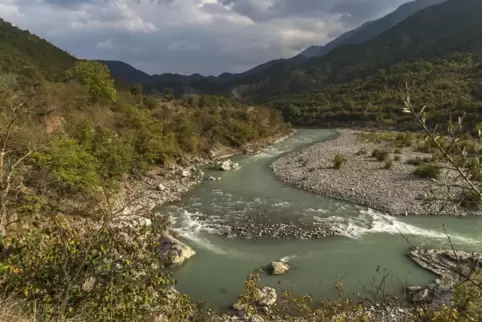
{"x": 125, "y": 72}
{"x": 24, "y": 53}
{"x": 372, "y": 29}
{"x": 194, "y": 83}
{"x": 438, "y": 50}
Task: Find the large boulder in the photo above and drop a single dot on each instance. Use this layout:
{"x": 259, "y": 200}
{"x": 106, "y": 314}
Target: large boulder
{"x": 267, "y": 296}
{"x": 173, "y": 251}
{"x": 278, "y": 268}
{"x": 227, "y": 165}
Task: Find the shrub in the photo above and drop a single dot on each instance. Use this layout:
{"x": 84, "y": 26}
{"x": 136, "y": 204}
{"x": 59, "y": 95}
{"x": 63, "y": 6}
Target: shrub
{"x": 380, "y": 155}
{"x": 397, "y": 151}
{"x": 388, "y": 164}
{"x": 470, "y": 200}
{"x": 102, "y": 272}
{"x": 362, "y": 151}
{"x": 427, "y": 171}
{"x": 419, "y": 161}
{"x": 339, "y": 161}
{"x": 397, "y": 158}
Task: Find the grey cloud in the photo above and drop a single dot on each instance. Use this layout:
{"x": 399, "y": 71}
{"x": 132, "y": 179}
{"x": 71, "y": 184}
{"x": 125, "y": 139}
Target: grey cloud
{"x": 189, "y": 36}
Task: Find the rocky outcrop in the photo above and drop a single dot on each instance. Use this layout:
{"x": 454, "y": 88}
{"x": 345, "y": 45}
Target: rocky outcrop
{"x": 450, "y": 266}
{"x": 267, "y": 296}
{"x": 173, "y": 251}
{"x": 278, "y": 268}
{"x": 227, "y": 165}
{"x": 446, "y": 263}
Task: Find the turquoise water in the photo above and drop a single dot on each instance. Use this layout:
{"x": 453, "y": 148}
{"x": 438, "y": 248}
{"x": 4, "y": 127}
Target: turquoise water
{"x": 373, "y": 240}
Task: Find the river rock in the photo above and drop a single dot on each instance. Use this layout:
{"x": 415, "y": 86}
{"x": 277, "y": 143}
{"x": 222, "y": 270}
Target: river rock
{"x": 418, "y": 294}
{"x": 211, "y": 178}
{"x": 212, "y": 154}
{"x": 184, "y": 173}
{"x": 267, "y": 296}
{"x": 173, "y": 251}
{"x": 256, "y": 318}
{"x": 278, "y": 268}
{"x": 161, "y": 187}
{"x": 227, "y": 165}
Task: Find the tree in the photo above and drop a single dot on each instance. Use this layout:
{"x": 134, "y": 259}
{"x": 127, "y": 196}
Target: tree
{"x": 13, "y": 149}
{"x": 168, "y": 94}
{"x": 96, "y": 80}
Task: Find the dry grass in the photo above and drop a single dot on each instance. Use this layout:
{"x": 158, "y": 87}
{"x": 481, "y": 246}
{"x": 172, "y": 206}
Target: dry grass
{"x": 12, "y": 310}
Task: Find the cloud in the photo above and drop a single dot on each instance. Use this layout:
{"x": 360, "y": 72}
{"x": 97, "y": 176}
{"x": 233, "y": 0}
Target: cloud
{"x": 189, "y": 36}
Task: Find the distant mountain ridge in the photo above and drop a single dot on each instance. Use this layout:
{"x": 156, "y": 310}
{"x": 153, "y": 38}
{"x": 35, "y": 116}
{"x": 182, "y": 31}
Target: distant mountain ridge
{"x": 224, "y": 83}
{"x": 371, "y": 29}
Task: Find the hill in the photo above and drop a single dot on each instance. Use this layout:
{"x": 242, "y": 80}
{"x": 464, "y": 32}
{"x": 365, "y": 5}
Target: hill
{"x": 439, "y": 50}
{"x": 125, "y": 72}
{"x": 24, "y": 53}
{"x": 372, "y": 29}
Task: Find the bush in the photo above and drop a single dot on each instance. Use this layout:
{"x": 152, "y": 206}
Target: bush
{"x": 427, "y": 171}
{"x": 380, "y": 155}
{"x": 397, "y": 151}
{"x": 339, "y": 161}
{"x": 397, "y": 158}
{"x": 418, "y": 160}
{"x": 94, "y": 272}
{"x": 470, "y": 200}
{"x": 362, "y": 151}
{"x": 388, "y": 164}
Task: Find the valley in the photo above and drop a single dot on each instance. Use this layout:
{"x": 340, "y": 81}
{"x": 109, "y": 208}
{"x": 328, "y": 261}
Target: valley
{"x": 340, "y": 184}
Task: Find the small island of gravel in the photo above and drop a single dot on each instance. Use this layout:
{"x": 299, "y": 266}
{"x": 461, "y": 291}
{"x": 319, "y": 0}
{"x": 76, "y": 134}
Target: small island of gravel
{"x": 387, "y": 184}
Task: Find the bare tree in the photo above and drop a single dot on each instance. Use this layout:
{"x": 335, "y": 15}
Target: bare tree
{"x": 13, "y": 108}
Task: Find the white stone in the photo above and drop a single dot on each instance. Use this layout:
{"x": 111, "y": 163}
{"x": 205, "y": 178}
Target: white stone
{"x": 278, "y": 268}
{"x": 185, "y": 173}
{"x": 161, "y": 187}
{"x": 227, "y": 165}
{"x": 173, "y": 251}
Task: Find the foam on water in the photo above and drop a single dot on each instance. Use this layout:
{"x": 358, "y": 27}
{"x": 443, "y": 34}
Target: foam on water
{"x": 370, "y": 222}
{"x": 281, "y": 204}
{"x": 287, "y": 259}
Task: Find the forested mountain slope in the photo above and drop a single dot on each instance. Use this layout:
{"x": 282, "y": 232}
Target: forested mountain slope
{"x": 24, "y": 53}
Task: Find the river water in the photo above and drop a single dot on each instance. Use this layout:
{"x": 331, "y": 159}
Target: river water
{"x": 373, "y": 240}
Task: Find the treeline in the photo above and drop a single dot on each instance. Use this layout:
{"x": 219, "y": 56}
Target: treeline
{"x": 91, "y": 134}
{"x": 449, "y": 87}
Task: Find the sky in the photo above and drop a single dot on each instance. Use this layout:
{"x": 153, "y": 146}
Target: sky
{"x": 191, "y": 36}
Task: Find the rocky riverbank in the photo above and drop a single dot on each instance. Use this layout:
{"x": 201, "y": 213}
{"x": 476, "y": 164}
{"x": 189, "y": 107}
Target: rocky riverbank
{"x": 142, "y": 194}
{"x": 362, "y": 179}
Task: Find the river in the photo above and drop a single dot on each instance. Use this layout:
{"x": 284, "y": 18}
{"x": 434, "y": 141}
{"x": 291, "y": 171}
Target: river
{"x": 373, "y": 240}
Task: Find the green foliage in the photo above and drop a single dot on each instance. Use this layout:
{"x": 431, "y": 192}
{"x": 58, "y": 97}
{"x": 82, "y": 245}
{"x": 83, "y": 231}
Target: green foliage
{"x": 338, "y": 161}
{"x": 168, "y": 94}
{"x": 70, "y": 163}
{"x": 93, "y": 271}
{"x": 380, "y": 155}
{"x": 467, "y": 304}
{"x": 96, "y": 80}
{"x": 427, "y": 171}
{"x": 29, "y": 56}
